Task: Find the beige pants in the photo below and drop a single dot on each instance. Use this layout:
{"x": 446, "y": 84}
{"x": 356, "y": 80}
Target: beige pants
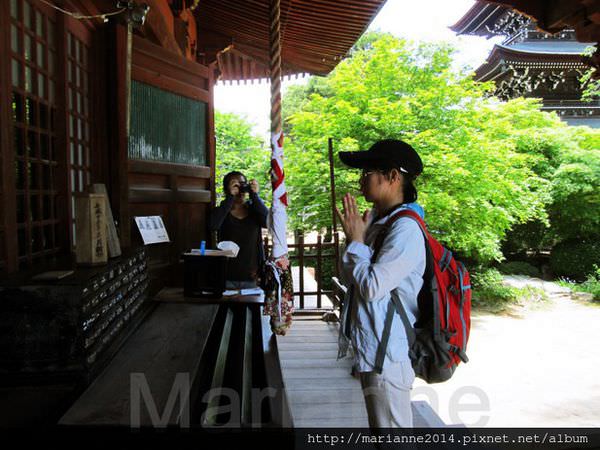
{"x": 387, "y": 396}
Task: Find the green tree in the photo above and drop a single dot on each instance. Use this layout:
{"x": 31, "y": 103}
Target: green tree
{"x": 590, "y": 82}
{"x": 239, "y": 149}
{"x": 488, "y": 164}
{"x": 575, "y": 207}
{"x": 568, "y": 158}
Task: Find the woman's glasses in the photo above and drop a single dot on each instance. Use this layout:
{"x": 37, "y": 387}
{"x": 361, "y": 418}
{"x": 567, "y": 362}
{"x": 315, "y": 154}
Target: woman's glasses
{"x": 365, "y": 173}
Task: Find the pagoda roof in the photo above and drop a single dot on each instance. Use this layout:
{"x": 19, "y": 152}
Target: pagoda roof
{"x": 549, "y": 46}
{"x": 554, "y": 15}
{"x": 521, "y": 56}
{"x": 479, "y": 19}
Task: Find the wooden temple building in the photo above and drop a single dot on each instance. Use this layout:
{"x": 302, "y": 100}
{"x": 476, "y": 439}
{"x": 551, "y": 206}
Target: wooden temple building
{"x": 532, "y": 63}
{"x": 112, "y": 102}
{"x": 120, "y": 94}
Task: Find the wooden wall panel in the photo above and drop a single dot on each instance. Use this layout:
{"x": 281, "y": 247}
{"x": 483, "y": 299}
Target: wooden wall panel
{"x": 183, "y": 201}
{"x": 181, "y": 193}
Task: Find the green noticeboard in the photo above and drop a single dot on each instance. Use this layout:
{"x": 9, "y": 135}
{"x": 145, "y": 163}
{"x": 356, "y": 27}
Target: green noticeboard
{"x": 166, "y": 127}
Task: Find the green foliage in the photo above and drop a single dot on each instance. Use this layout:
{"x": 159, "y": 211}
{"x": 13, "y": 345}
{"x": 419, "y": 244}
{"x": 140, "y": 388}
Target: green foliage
{"x": 576, "y": 258}
{"x": 499, "y": 176}
{"x": 592, "y": 89}
{"x": 575, "y": 209}
{"x": 591, "y": 285}
{"x": 485, "y": 278}
{"x": 488, "y": 291}
{"x": 569, "y": 159}
{"x": 519, "y": 268}
{"x": 297, "y": 95}
{"x": 591, "y": 85}
{"x": 476, "y": 183}
{"x": 238, "y": 149}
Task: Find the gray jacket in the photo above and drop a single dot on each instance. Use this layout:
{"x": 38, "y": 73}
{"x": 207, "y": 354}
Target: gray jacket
{"x": 399, "y": 269}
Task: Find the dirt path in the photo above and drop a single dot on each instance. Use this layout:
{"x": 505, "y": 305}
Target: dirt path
{"x": 537, "y": 367}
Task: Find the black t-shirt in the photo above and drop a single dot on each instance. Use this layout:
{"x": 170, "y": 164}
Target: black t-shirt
{"x": 246, "y": 234}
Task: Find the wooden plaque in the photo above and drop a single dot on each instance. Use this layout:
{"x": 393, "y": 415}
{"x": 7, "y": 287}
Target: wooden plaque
{"x": 114, "y": 246}
{"x": 90, "y": 228}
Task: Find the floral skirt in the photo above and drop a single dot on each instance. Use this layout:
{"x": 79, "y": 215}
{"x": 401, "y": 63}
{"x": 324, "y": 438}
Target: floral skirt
{"x": 280, "y": 306}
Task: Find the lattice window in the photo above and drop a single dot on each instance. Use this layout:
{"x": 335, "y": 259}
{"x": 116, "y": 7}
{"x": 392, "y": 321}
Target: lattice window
{"x": 34, "y": 109}
{"x": 166, "y": 127}
{"x": 78, "y": 98}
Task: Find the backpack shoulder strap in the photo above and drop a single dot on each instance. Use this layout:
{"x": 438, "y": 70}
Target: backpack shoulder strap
{"x": 395, "y": 306}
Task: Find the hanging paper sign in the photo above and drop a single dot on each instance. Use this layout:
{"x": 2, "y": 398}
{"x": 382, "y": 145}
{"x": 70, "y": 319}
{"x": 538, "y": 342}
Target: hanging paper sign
{"x": 152, "y": 229}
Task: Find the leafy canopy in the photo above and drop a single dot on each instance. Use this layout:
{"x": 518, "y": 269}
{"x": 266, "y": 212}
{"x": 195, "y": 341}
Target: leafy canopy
{"x": 488, "y": 165}
{"x": 239, "y": 149}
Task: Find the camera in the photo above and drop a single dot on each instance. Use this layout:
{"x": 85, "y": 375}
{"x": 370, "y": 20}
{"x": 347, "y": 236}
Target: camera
{"x": 245, "y": 187}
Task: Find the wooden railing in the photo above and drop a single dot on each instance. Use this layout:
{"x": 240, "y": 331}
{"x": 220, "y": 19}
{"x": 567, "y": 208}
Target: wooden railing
{"x": 324, "y": 257}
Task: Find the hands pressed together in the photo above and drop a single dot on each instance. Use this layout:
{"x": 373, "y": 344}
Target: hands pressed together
{"x": 353, "y": 223}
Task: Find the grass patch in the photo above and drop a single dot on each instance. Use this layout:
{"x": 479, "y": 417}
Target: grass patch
{"x": 591, "y": 285}
{"x": 491, "y": 294}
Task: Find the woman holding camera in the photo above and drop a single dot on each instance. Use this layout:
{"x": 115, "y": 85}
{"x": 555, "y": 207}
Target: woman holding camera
{"x": 240, "y": 219}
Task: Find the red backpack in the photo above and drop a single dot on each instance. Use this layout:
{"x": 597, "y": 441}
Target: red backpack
{"x": 438, "y": 340}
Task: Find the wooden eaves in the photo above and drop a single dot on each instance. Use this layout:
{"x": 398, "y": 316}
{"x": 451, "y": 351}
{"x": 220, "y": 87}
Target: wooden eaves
{"x": 315, "y": 35}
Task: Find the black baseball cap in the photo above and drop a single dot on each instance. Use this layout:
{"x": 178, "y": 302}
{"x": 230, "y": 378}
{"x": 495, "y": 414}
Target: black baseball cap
{"x": 384, "y": 155}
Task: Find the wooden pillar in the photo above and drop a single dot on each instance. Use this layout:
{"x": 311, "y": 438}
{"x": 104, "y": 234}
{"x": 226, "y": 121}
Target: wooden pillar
{"x": 8, "y": 246}
{"x": 212, "y": 148}
{"x": 119, "y": 128}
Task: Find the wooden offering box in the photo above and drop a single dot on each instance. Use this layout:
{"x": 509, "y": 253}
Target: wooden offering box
{"x": 72, "y": 326}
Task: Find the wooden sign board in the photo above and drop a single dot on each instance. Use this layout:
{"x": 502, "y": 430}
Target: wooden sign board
{"x": 90, "y": 228}
{"x": 114, "y": 246}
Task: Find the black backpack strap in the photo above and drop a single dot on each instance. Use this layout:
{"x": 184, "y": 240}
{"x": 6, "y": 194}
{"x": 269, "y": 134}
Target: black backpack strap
{"x": 395, "y": 306}
{"x": 385, "y": 337}
{"x": 410, "y": 330}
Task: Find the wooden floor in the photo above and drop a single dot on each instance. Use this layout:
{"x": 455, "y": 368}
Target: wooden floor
{"x": 320, "y": 390}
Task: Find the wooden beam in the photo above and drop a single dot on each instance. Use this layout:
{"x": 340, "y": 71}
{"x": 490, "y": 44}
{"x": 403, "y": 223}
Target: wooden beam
{"x": 162, "y": 168}
{"x": 169, "y": 195}
{"x": 156, "y": 79}
{"x": 143, "y": 46}
{"x": 160, "y": 23}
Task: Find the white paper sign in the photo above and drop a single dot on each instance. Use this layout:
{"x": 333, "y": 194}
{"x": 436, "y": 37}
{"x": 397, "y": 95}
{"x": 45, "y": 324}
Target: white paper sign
{"x": 152, "y": 229}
